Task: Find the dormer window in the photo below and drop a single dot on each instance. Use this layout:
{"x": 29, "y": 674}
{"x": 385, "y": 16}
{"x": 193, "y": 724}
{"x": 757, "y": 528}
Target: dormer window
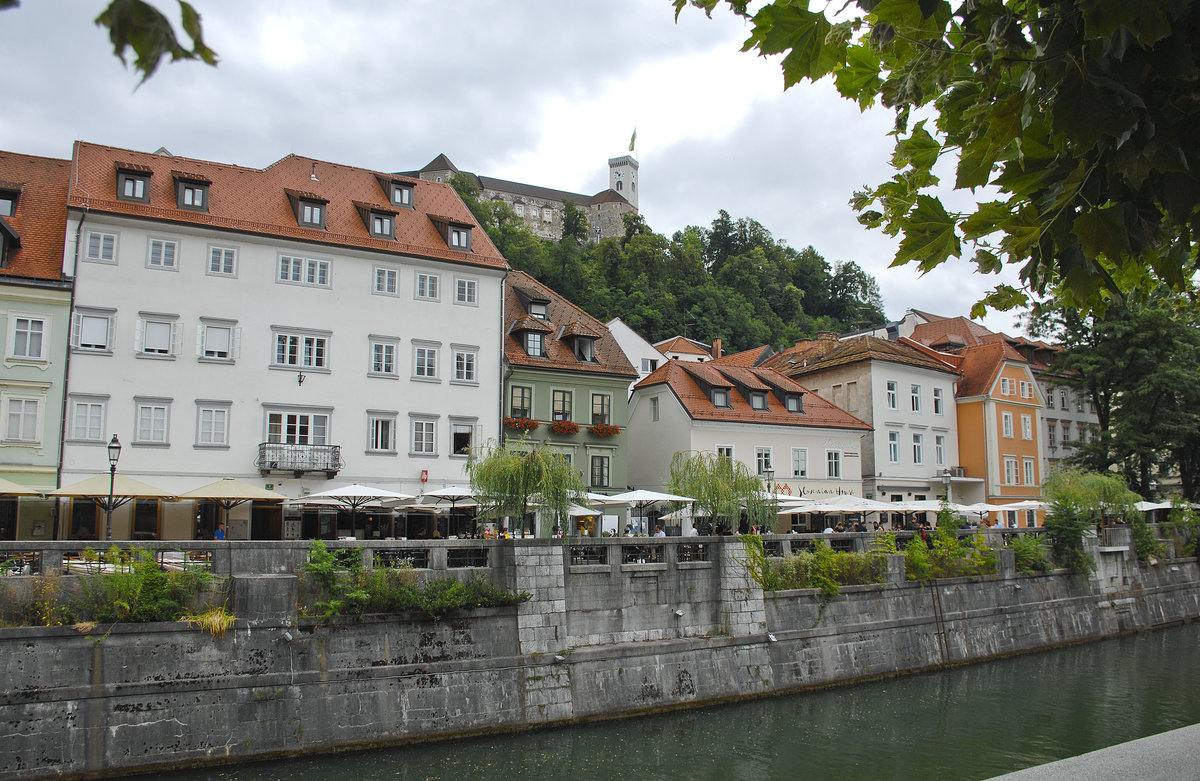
{"x": 383, "y": 226}
{"x": 585, "y": 349}
{"x": 720, "y": 397}
{"x": 535, "y": 344}
{"x": 758, "y": 400}
{"x": 192, "y": 196}
{"x": 460, "y": 238}
{"x": 133, "y": 186}
{"x": 8, "y": 202}
{"x": 793, "y": 403}
{"x": 310, "y": 213}
{"x": 402, "y": 195}
{"x": 538, "y": 309}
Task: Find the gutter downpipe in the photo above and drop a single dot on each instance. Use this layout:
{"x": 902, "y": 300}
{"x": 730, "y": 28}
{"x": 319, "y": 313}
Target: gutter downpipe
{"x": 62, "y": 434}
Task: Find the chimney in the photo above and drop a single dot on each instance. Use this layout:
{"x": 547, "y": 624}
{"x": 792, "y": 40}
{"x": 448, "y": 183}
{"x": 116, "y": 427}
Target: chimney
{"x": 827, "y": 336}
{"x": 716, "y": 351}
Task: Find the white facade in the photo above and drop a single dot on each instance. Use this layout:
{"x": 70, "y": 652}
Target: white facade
{"x": 643, "y": 355}
{"x": 196, "y": 362}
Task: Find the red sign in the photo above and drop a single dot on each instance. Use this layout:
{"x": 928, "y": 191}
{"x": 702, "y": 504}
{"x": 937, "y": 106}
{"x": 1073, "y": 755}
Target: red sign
{"x": 424, "y": 475}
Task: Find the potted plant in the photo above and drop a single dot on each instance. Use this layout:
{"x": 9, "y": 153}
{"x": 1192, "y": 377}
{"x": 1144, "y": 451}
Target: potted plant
{"x": 604, "y": 430}
{"x": 564, "y": 427}
{"x": 521, "y": 424}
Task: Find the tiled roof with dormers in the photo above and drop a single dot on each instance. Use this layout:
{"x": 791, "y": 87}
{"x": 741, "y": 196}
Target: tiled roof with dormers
{"x": 982, "y": 364}
{"x": 681, "y": 344}
{"x": 579, "y": 329}
{"x": 256, "y": 201}
{"x": 40, "y": 219}
{"x": 750, "y": 357}
{"x": 822, "y": 354}
{"x": 951, "y": 333}
{"x": 691, "y": 383}
{"x": 561, "y": 314}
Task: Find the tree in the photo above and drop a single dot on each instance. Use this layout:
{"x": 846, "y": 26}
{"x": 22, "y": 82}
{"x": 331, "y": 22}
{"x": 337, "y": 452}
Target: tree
{"x": 1080, "y": 113}
{"x": 1078, "y": 500}
{"x": 137, "y": 25}
{"x": 723, "y": 489}
{"x": 518, "y": 477}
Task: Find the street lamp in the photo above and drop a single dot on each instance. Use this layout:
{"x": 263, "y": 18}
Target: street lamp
{"x": 946, "y": 482}
{"x": 114, "y": 452}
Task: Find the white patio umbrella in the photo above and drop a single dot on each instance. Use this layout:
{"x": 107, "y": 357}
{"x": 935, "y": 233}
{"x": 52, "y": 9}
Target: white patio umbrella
{"x": 1144, "y": 506}
{"x": 353, "y": 497}
{"x": 643, "y": 498}
{"x": 450, "y": 493}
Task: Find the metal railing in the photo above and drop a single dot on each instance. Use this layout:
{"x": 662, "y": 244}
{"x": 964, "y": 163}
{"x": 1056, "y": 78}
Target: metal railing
{"x": 286, "y": 457}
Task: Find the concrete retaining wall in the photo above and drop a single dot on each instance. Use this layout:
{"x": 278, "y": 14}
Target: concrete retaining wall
{"x": 596, "y": 640}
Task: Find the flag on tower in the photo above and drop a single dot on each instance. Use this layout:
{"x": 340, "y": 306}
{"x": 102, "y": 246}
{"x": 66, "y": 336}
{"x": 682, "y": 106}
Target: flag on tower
{"x": 633, "y": 139}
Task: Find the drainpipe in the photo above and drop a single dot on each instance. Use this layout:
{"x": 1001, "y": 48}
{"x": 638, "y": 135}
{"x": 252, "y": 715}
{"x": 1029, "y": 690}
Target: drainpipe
{"x": 62, "y": 426}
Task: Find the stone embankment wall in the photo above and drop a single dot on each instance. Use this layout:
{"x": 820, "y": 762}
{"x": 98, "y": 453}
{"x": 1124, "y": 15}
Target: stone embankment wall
{"x": 613, "y": 628}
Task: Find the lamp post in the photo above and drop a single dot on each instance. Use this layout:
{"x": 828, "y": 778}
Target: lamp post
{"x": 946, "y": 482}
{"x": 114, "y": 452}
{"x": 770, "y": 475}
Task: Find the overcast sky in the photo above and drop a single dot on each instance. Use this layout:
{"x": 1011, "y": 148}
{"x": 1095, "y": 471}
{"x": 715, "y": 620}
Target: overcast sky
{"x": 536, "y": 91}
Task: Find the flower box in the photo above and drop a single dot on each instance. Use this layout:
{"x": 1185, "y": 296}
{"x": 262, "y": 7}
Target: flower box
{"x": 521, "y": 424}
{"x": 604, "y": 430}
{"x": 564, "y": 427}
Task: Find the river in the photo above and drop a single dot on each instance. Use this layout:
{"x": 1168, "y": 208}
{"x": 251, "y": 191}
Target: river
{"x": 970, "y": 722}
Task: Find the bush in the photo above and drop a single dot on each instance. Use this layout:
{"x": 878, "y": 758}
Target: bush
{"x": 1145, "y": 544}
{"x": 138, "y": 590}
{"x": 1064, "y": 528}
{"x": 1029, "y": 553}
{"x": 1184, "y": 527}
{"x": 917, "y": 563}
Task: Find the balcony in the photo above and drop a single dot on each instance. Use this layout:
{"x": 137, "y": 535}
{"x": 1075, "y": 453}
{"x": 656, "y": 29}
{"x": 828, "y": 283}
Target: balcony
{"x": 298, "y": 459}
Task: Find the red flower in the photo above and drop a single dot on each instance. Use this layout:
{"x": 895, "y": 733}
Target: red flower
{"x": 564, "y": 427}
{"x": 521, "y": 424}
{"x": 604, "y": 430}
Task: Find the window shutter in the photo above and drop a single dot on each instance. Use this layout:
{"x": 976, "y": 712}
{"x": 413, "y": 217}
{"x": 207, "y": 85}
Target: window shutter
{"x": 139, "y": 338}
{"x": 76, "y": 326}
{"x": 236, "y": 350}
{"x": 176, "y": 339}
{"x": 200, "y": 341}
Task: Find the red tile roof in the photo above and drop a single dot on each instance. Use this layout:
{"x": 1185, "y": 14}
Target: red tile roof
{"x": 41, "y": 215}
{"x": 982, "y": 364}
{"x": 821, "y": 354}
{"x": 691, "y": 381}
{"x": 256, "y": 200}
{"x": 561, "y": 315}
{"x": 956, "y": 331}
{"x": 681, "y": 344}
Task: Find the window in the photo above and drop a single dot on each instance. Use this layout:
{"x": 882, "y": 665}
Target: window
{"x": 22, "y": 420}
{"x": 425, "y": 362}
{"x": 303, "y": 271}
{"x": 939, "y": 449}
{"x": 466, "y": 291}
{"x": 8, "y": 202}
{"x": 538, "y": 309}
{"x": 547, "y": 215}
{"x": 654, "y": 408}
{"x": 424, "y": 437}
{"x": 383, "y": 356}
{"x": 427, "y": 286}
{"x": 381, "y": 432}
{"x": 157, "y": 336}
{"x": 212, "y": 423}
{"x": 918, "y": 444}
{"x": 1007, "y": 420}
{"x": 1052, "y": 433}
{"x": 91, "y": 329}
{"x": 520, "y": 402}
{"x": 833, "y": 464}
{"x": 460, "y": 238}
{"x": 1066, "y": 431}
{"x": 191, "y": 195}
{"x": 297, "y": 428}
{"x": 649, "y": 365}
{"x": 1010, "y": 471}
{"x": 222, "y": 261}
{"x": 601, "y": 408}
{"x": 937, "y": 402}
{"x": 799, "y": 462}
{"x": 915, "y": 393}
{"x": 162, "y": 254}
{"x": 725, "y": 451}
{"x": 101, "y": 247}
{"x": 402, "y": 194}
{"x": 535, "y": 344}
{"x": 87, "y": 419}
{"x": 301, "y": 349}
{"x": 600, "y": 471}
{"x": 758, "y": 401}
{"x": 310, "y": 213}
{"x": 1026, "y": 427}
{"x": 1079, "y": 402}
{"x": 28, "y": 338}
{"x": 1026, "y": 390}
{"x": 1062, "y": 398}
{"x": 1005, "y": 386}
{"x": 762, "y": 460}
{"x": 894, "y": 447}
{"x": 219, "y": 340}
{"x": 561, "y": 409}
{"x": 462, "y": 436}
{"x": 720, "y": 397}
{"x": 893, "y": 400}
{"x": 387, "y": 281}
{"x": 464, "y": 364}
{"x": 519, "y": 208}
{"x": 1050, "y": 399}
{"x": 152, "y": 417}
{"x": 794, "y": 403}
{"x": 133, "y": 186}
{"x": 1027, "y": 463}
{"x": 383, "y": 225}
{"x": 533, "y": 212}
{"x": 585, "y": 349}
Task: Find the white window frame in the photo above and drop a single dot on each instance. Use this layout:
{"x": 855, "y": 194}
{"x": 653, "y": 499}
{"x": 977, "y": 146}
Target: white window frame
{"x": 654, "y": 408}
{"x": 1011, "y": 471}
{"x": 893, "y": 394}
{"x": 427, "y": 286}
{"x": 833, "y": 464}
{"x": 211, "y": 325}
{"x": 1026, "y": 390}
{"x": 764, "y": 460}
{"x": 133, "y": 186}
{"x": 311, "y": 349}
{"x": 800, "y": 462}
{"x": 1006, "y": 424}
{"x": 535, "y": 344}
{"x": 304, "y": 272}
{"x": 157, "y": 320}
{"x": 938, "y": 402}
{"x": 649, "y": 365}
{"x": 1026, "y": 427}
{"x": 893, "y": 447}
{"x": 539, "y": 309}
{"x": 42, "y": 332}
{"x": 1027, "y": 470}
{"x": 298, "y": 426}
{"x": 79, "y": 319}
{"x": 381, "y": 347}
{"x": 150, "y": 437}
{"x": 939, "y": 449}
{"x": 1005, "y": 386}
{"x": 20, "y": 404}
{"x": 385, "y": 281}
{"x": 96, "y": 240}
{"x": 94, "y": 407}
{"x": 720, "y": 398}
{"x": 212, "y": 433}
{"x": 459, "y": 238}
{"x": 422, "y": 435}
{"x": 381, "y": 425}
{"x": 918, "y": 448}
{"x": 219, "y": 257}
{"x": 725, "y": 451}
{"x": 158, "y": 246}
{"x": 1063, "y": 402}
{"x": 466, "y": 291}
{"x": 466, "y": 365}
{"x": 469, "y": 426}
{"x": 1052, "y": 433}
{"x": 914, "y": 392}
{"x": 426, "y": 361}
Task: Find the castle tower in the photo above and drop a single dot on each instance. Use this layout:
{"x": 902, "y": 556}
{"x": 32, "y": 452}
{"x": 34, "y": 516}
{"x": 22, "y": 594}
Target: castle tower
{"x": 622, "y": 177}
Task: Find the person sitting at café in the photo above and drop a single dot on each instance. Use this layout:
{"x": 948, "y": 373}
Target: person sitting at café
{"x": 219, "y": 534}
{"x": 658, "y": 532}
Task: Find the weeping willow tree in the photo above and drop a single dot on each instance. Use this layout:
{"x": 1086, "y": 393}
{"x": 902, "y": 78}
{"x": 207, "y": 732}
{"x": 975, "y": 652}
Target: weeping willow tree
{"x": 518, "y": 477}
{"x": 723, "y": 488}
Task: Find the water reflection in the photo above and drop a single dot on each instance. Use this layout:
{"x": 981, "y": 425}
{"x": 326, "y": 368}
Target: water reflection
{"x": 967, "y": 723}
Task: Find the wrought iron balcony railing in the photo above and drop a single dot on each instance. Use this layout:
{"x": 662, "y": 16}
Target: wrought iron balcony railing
{"x": 298, "y": 459}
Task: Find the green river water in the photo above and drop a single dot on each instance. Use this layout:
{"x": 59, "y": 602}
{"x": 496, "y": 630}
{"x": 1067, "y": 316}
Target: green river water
{"x": 970, "y": 722}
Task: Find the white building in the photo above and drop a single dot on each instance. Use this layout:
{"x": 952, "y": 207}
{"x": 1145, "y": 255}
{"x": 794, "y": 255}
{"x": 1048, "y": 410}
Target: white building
{"x": 644, "y": 356}
{"x": 303, "y": 326}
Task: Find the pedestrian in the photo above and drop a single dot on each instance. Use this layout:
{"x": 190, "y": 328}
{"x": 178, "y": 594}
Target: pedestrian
{"x": 219, "y": 534}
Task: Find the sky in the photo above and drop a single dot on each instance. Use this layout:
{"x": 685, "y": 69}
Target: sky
{"x": 535, "y": 91}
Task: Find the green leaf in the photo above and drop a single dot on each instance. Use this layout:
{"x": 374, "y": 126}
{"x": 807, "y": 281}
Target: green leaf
{"x": 988, "y": 218}
{"x": 802, "y": 34}
{"x": 929, "y": 236}
{"x": 859, "y": 79}
{"x": 1102, "y": 232}
{"x": 920, "y": 149}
